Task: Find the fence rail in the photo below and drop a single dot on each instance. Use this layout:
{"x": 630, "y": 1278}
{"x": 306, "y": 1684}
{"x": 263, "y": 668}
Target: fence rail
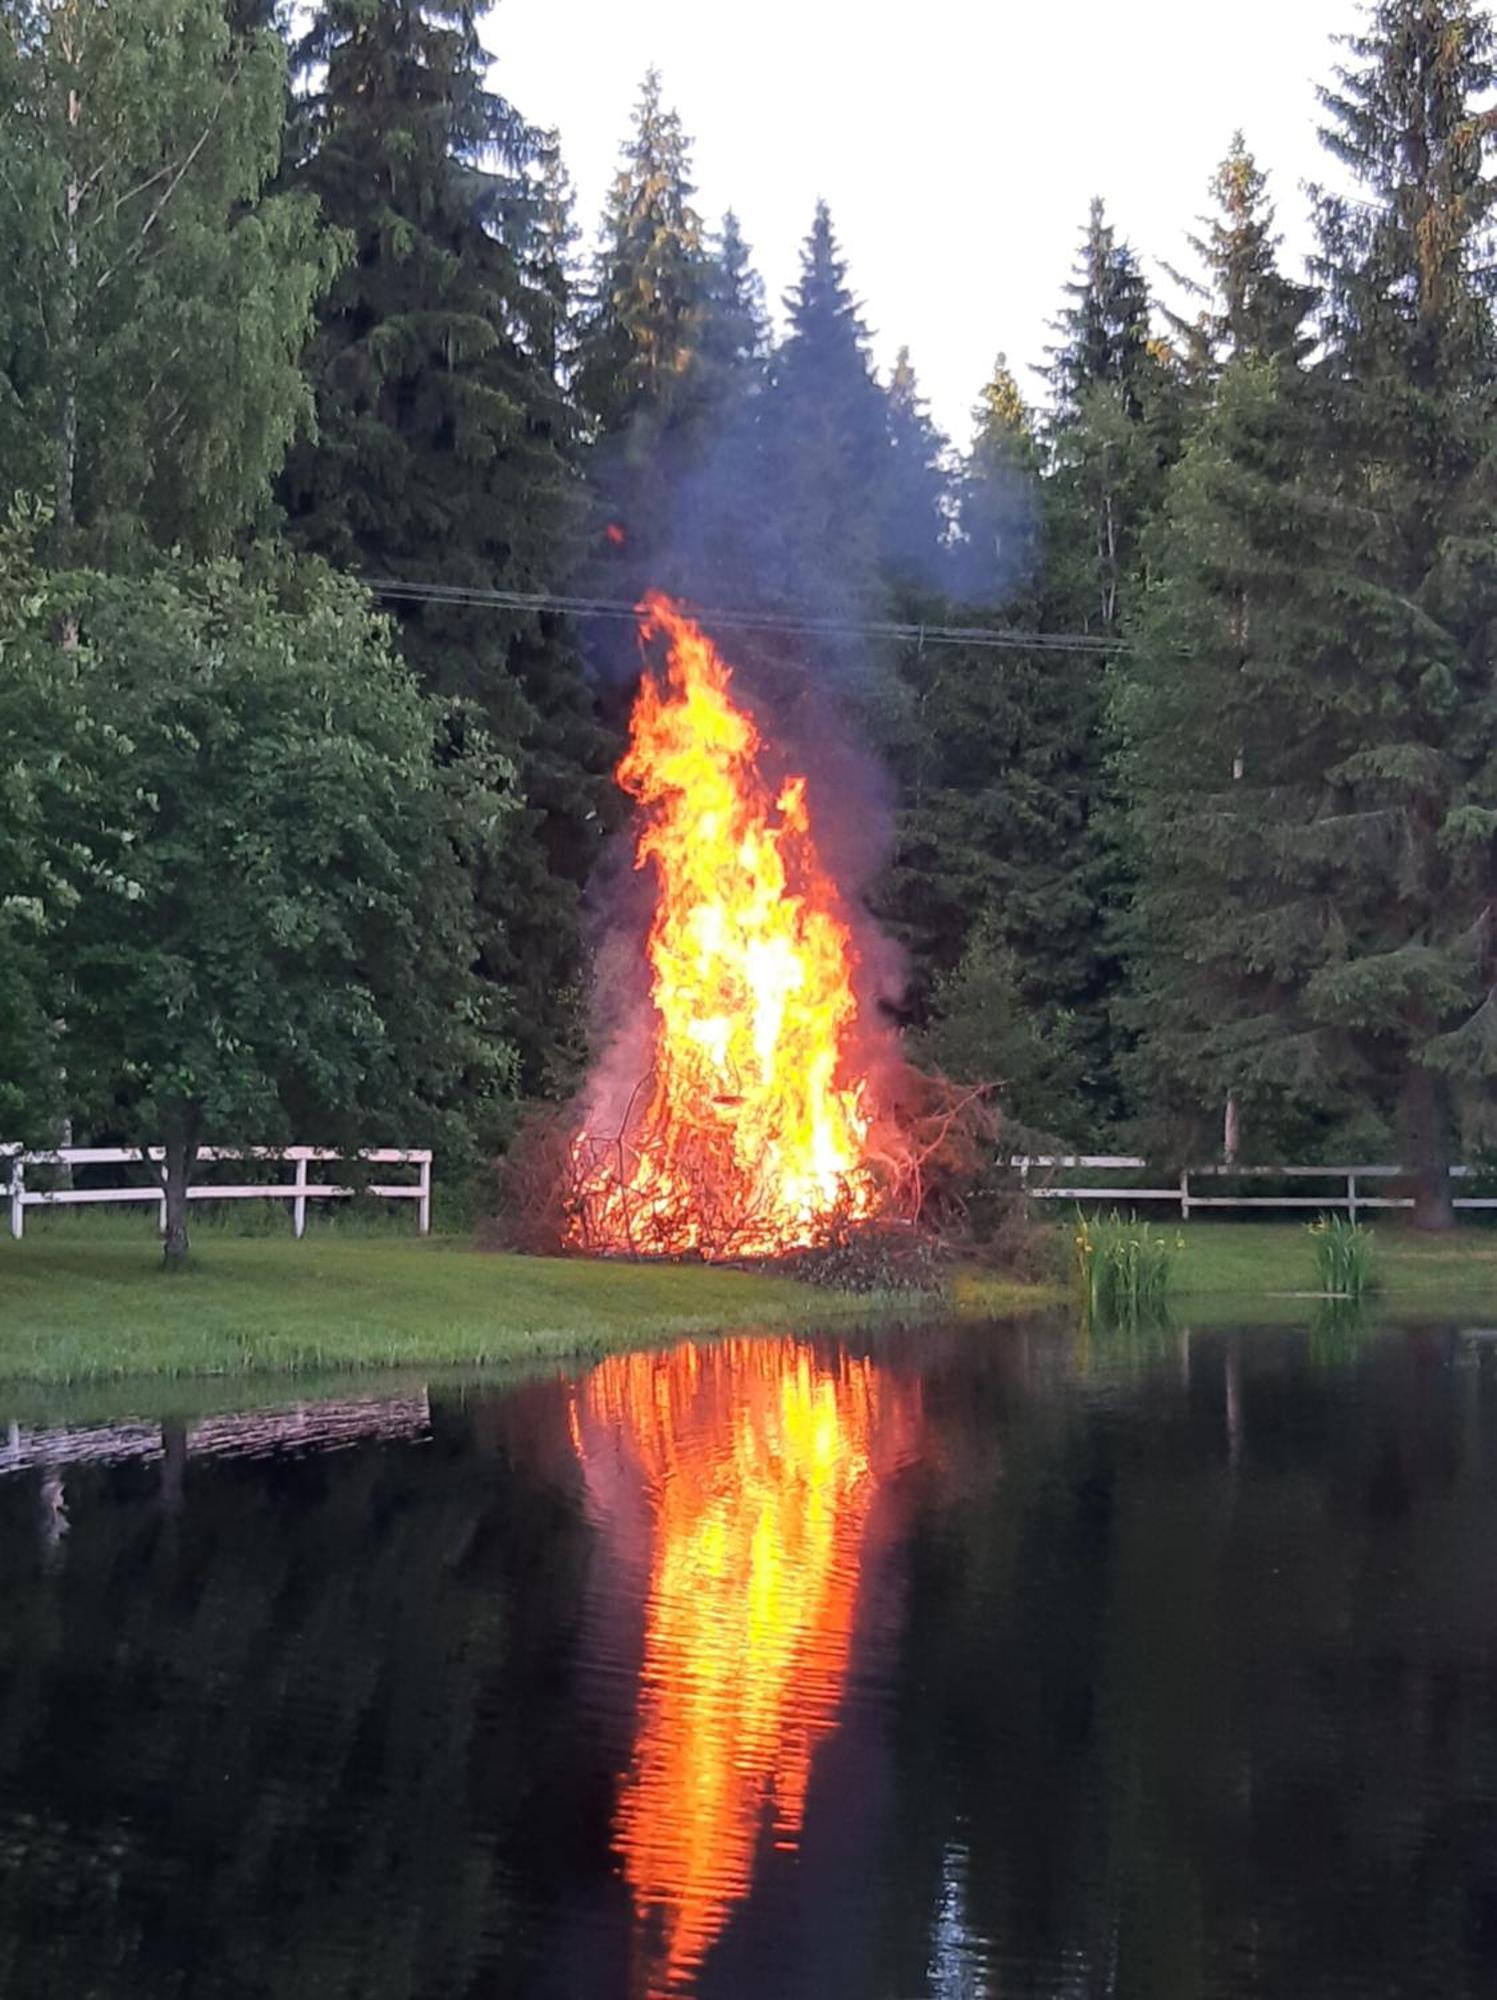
{"x": 298, "y": 1191}
{"x": 1353, "y": 1199}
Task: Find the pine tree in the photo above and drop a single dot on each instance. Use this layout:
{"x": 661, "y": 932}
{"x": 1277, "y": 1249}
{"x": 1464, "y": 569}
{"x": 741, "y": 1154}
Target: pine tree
{"x": 443, "y": 438}
{"x": 1335, "y": 917}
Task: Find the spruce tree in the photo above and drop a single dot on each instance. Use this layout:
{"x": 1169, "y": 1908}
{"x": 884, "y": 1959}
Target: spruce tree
{"x": 735, "y": 325}
{"x": 442, "y": 455}
{"x": 1332, "y": 906}
{"x": 1113, "y": 429}
{"x": 913, "y": 504}
{"x": 828, "y": 440}
{"x": 641, "y": 346}
{"x": 1232, "y": 536}
{"x": 1104, "y": 330}
{"x": 1210, "y": 768}
{"x": 551, "y": 266}
{"x": 1246, "y": 305}
{"x": 998, "y": 498}
{"x": 996, "y": 879}
{"x": 720, "y": 503}
{"x": 641, "y": 376}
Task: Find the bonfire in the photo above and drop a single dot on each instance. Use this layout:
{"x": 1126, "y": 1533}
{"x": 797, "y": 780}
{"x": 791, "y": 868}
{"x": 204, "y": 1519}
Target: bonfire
{"x": 762, "y": 1108}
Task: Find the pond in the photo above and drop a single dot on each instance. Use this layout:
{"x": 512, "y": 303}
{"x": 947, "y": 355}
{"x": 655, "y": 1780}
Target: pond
{"x": 952, "y": 1662}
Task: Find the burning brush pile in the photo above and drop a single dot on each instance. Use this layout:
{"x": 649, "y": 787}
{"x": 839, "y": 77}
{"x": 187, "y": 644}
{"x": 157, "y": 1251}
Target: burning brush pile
{"x": 757, "y": 1105}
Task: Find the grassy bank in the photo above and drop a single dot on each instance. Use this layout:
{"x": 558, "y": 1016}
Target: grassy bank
{"x": 86, "y": 1304}
{"x": 75, "y": 1307}
{"x": 1258, "y": 1260}
{"x": 1250, "y": 1270}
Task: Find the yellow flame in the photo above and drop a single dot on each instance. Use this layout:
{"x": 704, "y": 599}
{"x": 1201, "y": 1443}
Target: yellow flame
{"x": 754, "y": 1132}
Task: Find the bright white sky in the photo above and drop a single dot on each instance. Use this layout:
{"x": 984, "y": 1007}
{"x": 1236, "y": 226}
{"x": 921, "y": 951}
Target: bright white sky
{"x": 957, "y": 141}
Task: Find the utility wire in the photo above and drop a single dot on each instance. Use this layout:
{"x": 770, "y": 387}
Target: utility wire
{"x": 405, "y": 590}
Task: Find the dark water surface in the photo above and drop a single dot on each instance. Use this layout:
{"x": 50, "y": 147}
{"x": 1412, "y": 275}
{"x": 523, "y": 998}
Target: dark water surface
{"x": 993, "y": 1662}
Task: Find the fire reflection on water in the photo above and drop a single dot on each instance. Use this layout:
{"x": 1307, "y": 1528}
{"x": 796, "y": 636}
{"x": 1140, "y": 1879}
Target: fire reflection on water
{"x": 760, "y": 1461}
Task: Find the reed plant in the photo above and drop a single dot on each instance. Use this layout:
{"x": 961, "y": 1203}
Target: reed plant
{"x": 1345, "y": 1257}
{"x": 1124, "y": 1267}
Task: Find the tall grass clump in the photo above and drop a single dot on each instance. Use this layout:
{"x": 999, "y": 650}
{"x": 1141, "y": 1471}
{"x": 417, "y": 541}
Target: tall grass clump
{"x": 1123, "y": 1267}
{"x": 1345, "y": 1257}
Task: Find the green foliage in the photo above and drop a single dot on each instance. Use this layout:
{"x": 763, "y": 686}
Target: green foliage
{"x": 997, "y": 549}
{"x": 264, "y": 924}
{"x": 42, "y": 790}
{"x": 1246, "y": 305}
{"x": 157, "y": 295}
{"x": 1315, "y": 914}
{"x": 1124, "y": 1267}
{"x": 1239, "y": 850}
{"x": 984, "y": 1029}
{"x": 640, "y": 372}
{"x": 445, "y": 441}
{"x": 914, "y": 525}
{"x": 826, "y": 438}
{"x": 1344, "y": 1256}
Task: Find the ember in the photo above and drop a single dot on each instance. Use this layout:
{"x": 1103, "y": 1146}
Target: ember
{"x": 751, "y": 1131}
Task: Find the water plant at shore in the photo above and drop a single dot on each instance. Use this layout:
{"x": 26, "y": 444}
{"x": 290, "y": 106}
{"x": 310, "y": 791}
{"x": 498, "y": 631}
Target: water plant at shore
{"x": 1123, "y": 1266}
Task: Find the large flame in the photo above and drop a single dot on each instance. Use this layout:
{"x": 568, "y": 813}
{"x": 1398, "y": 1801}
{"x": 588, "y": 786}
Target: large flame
{"x": 748, "y": 1133}
{"x": 761, "y": 1461}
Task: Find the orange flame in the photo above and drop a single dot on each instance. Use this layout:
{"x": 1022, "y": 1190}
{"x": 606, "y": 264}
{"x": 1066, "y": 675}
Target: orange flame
{"x": 750, "y": 1133}
{"x": 761, "y": 1462}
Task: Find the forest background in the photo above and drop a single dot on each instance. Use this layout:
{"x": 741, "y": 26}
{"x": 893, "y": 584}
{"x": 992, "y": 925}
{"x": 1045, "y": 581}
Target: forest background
{"x": 321, "y": 425}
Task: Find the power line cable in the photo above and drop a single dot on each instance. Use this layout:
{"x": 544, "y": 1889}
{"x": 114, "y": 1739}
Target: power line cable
{"x": 410, "y": 591}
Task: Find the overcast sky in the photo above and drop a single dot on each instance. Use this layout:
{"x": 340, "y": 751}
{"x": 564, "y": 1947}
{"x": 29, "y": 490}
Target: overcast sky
{"x": 957, "y": 141}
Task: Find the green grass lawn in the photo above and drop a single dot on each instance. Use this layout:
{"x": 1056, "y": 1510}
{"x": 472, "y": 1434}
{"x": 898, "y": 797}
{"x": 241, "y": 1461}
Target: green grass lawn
{"x": 75, "y": 1305}
{"x": 1253, "y": 1270}
{"x": 1256, "y": 1260}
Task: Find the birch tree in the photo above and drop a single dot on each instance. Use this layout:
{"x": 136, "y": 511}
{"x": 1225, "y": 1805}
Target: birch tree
{"x": 158, "y": 294}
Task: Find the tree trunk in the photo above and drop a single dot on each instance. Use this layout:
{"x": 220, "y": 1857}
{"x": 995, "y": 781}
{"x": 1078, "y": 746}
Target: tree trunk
{"x": 1425, "y": 1118}
{"x": 181, "y": 1147}
{"x": 65, "y": 442}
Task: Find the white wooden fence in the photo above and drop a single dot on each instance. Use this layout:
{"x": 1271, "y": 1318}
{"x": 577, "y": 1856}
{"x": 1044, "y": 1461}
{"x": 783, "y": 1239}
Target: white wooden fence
{"x": 299, "y": 1190}
{"x": 1353, "y": 1197}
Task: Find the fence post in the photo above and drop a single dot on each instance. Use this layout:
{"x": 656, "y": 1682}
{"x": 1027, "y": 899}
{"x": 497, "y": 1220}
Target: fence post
{"x": 18, "y": 1195}
{"x": 299, "y": 1203}
{"x": 423, "y": 1206}
{"x": 1351, "y": 1197}
{"x": 1185, "y": 1194}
